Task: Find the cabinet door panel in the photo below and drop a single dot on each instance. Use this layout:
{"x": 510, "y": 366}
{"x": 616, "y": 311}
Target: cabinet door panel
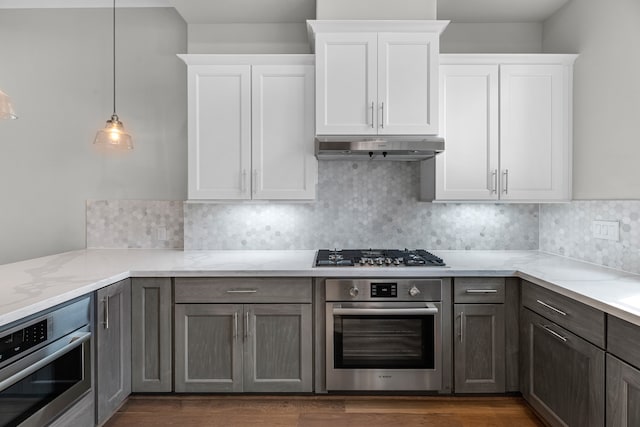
{"x": 284, "y": 166}
{"x": 407, "y": 79}
{"x": 480, "y": 348}
{"x": 219, "y": 132}
{"x": 208, "y": 346}
{"x": 623, "y": 394}
{"x": 467, "y": 169}
{"x": 533, "y": 131}
{"x": 113, "y": 355}
{"x": 278, "y": 348}
{"x": 346, "y": 83}
{"x": 563, "y": 375}
{"x": 151, "y": 355}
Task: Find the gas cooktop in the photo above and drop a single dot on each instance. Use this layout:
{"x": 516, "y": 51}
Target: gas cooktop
{"x": 377, "y": 258}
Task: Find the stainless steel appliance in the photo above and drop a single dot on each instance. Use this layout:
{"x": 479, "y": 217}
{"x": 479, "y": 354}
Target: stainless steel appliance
{"x": 45, "y": 365}
{"x": 377, "y": 258}
{"x": 383, "y": 334}
{"x": 388, "y": 147}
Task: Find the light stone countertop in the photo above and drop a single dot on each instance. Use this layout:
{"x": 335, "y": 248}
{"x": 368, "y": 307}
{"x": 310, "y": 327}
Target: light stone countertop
{"x": 28, "y": 287}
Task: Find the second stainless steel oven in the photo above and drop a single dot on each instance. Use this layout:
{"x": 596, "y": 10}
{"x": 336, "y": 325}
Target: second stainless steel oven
{"x": 383, "y": 334}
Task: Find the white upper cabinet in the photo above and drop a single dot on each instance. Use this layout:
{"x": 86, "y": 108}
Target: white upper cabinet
{"x": 377, "y": 77}
{"x": 251, "y": 127}
{"x": 507, "y": 124}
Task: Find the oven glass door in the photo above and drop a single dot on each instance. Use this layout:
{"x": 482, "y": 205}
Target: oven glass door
{"x": 381, "y": 341}
{"x": 32, "y": 392}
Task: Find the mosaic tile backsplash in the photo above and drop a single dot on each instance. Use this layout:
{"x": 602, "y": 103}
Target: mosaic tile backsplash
{"x": 565, "y": 229}
{"x": 361, "y": 204}
{"x": 135, "y": 224}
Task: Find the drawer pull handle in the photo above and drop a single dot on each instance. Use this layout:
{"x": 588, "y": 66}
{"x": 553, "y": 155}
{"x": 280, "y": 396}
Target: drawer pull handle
{"x": 242, "y": 291}
{"x": 544, "y": 304}
{"x": 552, "y": 332}
{"x": 482, "y": 291}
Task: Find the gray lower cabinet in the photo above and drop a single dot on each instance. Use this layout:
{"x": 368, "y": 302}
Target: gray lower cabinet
{"x": 623, "y": 394}
{"x": 479, "y": 348}
{"x": 243, "y": 347}
{"x": 151, "y": 324}
{"x": 562, "y": 375}
{"x": 113, "y": 348}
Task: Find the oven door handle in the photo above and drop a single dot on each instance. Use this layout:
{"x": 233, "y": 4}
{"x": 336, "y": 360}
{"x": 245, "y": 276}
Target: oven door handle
{"x": 430, "y": 309}
{"x": 49, "y": 354}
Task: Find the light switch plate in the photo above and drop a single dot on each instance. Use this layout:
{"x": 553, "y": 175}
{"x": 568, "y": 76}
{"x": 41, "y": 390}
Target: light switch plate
{"x": 606, "y": 230}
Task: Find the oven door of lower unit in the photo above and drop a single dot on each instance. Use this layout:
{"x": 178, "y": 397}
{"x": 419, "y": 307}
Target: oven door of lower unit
{"x": 384, "y": 346}
{"x": 37, "y": 388}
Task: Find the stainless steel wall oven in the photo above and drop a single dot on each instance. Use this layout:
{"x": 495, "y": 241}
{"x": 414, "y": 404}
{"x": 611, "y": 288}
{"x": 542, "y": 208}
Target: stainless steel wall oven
{"x": 383, "y": 334}
{"x": 45, "y": 365}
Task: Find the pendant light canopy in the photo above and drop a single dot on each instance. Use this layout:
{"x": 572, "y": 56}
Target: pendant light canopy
{"x": 6, "y": 108}
{"x": 114, "y": 134}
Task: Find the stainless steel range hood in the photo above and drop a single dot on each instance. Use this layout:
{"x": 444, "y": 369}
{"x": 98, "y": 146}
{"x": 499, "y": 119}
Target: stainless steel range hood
{"x": 370, "y": 147}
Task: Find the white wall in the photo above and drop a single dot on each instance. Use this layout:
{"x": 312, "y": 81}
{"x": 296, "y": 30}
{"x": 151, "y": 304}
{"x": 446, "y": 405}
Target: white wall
{"x": 56, "y": 65}
{"x": 606, "y": 104}
{"x": 492, "y": 38}
{"x": 376, "y": 9}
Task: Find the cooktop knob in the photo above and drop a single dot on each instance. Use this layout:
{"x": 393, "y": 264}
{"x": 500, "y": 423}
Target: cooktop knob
{"x": 414, "y": 292}
{"x": 354, "y": 292}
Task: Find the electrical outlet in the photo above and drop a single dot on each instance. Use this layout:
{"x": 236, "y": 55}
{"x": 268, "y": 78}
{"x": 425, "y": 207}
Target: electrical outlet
{"x": 606, "y": 230}
{"x": 161, "y": 233}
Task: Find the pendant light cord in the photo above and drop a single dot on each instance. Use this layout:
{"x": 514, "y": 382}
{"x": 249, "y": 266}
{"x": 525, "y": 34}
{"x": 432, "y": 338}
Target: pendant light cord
{"x": 114, "y": 57}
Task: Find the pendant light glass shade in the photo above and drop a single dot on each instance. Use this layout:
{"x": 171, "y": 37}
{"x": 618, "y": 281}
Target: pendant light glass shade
{"x": 6, "y": 108}
{"x": 114, "y": 135}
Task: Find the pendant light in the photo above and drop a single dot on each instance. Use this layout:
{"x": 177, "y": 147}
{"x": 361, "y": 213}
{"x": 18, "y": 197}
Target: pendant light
{"x": 6, "y": 108}
{"x": 113, "y": 134}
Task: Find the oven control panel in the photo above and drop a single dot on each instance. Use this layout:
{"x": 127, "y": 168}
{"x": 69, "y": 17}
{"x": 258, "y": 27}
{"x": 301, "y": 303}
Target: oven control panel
{"x": 384, "y": 290}
{"x": 22, "y": 340}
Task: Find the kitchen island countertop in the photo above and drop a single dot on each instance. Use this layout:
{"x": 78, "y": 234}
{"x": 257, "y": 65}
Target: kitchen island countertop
{"x": 30, "y": 286}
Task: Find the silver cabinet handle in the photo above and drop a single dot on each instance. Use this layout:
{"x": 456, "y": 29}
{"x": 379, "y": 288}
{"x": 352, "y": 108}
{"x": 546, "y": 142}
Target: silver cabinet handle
{"x": 461, "y": 326}
{"x": 235, "y": 326}
{"x": 242, "y": 291}
{"x": 243, "y": 179}
{"x": 552, "y": 332}
{"x": 254, "y": 182}
{"x": 105, "y": 322}
{"x": 482, "y": 291}
{"x": 372, "y": 113}
{"x": 544, "y": 304}
{"x": 505, "y": 175}
{"x": 382, "y": 120}
{"x": 494, "y": 175}
{"x": 384, "y": 311}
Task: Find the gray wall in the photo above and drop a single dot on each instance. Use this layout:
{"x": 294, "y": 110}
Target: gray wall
{"x": 523, "y": 37}
{"x": 56, "y": 65}
{"x": 376, "y": 9}
{"x": 606, "y": 104}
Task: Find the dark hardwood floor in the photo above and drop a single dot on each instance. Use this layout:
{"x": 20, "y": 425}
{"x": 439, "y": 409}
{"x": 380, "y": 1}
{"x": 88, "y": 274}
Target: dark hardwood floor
{"x": 323, "y": 411}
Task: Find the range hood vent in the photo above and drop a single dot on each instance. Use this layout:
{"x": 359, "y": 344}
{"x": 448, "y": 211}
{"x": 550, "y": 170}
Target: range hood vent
{"x": 388, "y": 147}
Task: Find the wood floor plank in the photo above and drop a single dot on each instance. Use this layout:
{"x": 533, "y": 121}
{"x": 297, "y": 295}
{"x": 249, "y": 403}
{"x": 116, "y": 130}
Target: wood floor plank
{"x": 323, "y": 410}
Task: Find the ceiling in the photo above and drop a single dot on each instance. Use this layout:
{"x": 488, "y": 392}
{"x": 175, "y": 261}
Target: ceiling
{"x": 276, "y": 11}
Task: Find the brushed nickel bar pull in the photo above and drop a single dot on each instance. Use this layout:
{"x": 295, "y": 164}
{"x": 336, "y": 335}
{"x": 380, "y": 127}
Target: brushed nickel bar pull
{"x": 235, "y": 326}
{"x": 246, "y": 326}
{"x": 254, "y": 183}
{"x": 382, "y": 120}
{"x": 505, "y": 174}
{"x": 544, "y": 304}
{"x": 243, "y": 179}
{"x": 462, "y": 326}
{"x": 105, "y": 322}
{"x": 494, "y": 175}
{"x": 372, "y": 114}
{"x": 242, "y": 291}
{"x": 552, "y": 332}
{"x": 481, "y": 291}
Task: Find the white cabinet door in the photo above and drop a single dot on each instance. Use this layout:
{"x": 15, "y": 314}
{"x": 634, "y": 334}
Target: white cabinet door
{"x": 407, "y": 83}
{"x": 346, "y": 83}
{"x": 468, "y": 168}
{"x": 284, "y": 166}
{"x": 219, "y": 131}
{"x": 534, "y": 142}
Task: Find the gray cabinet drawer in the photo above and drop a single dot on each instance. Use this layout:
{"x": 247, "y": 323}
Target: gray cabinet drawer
{"x": 483, "y": 290}
{"x": 623, "y": 340}
{"x": 242, "y": 290}
{"x": 584, "y": 321}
